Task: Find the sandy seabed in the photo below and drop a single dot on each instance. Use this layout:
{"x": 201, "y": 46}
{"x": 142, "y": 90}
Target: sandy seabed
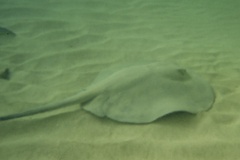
{"x": 61, "y": 46}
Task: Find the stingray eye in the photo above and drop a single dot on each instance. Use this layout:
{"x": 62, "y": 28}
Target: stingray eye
{"x": 183, "y": 74}
{"x": 182, "y": 71}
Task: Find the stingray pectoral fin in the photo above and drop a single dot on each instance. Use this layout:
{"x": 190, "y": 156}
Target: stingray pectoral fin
{"x": 95, "y": 106}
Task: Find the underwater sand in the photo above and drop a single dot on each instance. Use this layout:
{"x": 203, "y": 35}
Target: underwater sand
{"x": 61, "y": 46}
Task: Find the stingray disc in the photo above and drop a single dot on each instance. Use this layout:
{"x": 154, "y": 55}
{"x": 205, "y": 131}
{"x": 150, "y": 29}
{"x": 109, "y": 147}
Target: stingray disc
{"x": 143, "y": 93}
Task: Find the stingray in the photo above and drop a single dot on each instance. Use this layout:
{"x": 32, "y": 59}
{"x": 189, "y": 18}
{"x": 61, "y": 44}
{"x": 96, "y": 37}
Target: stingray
{"x": 6, "y": 32}
{"x": 6, "y": 35}
{"x": 6, "y": 74}
{"x": 138, "y": 94}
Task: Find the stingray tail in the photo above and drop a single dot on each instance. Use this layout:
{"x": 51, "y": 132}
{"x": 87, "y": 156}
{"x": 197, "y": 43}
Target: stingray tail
{"x": 49, "y": 107}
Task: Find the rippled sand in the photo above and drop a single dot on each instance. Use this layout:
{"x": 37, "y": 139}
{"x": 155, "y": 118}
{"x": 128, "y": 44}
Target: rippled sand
{"x": 61, "y": 46}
